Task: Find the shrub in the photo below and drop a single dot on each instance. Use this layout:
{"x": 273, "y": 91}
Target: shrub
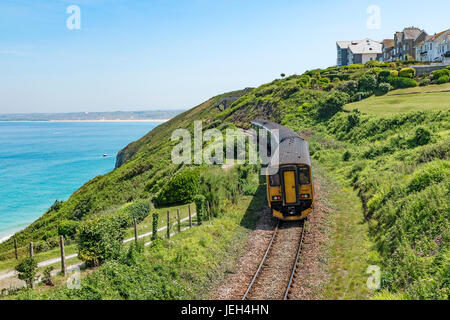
{"x": 349, "y": 87}
{"x": 346, "y": 156}
{"x": 421, "y": 137}
{"x": 400, "y": 82}
{"x": 424, "y": 82}
{"x": 304, "y": 80}
{"x": 384, "y": 74}
{"x": 138, "y": 210}
{"x": 200, "y": 204}
{"x": 155, "y": 225}
{"x": 372, "y": 63}
{"x": 368, "y": 83}
{"x": 407, "y": 72}
{"x": 332, "y": 104}
{"x": 47, "y": 276}
{"x": 100, "y": 239}
{"x": 394, "y": 73}
{"x": 435, "y": 75}
{"x": 324, "y": 81}
{"x": 27, "y": 270}
{"x": 360, "y": 95}
{"x": 68, "y": 228}
{"x": 384, "y": 87}
{"x": 443, "y": 79}
{"x": 180, "y": 189}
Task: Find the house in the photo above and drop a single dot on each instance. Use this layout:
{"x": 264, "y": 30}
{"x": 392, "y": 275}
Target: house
{"x": 406, "y": 41}
{"x": 359, "y": 51}
{"x": 388, "y": 50}
{"x": 445, "y": 49}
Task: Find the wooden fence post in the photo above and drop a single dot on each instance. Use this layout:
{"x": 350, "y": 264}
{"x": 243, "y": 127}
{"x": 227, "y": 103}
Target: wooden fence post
{"x": 178, "y": 220}
{"x": 168, "y": 224}
{"x": 190, "y": 216}
{"x": 135, "y": 230}
{"x": 15, "y": 248}
{"x": 31, "y": 250}
{"x": 63, "y": 256}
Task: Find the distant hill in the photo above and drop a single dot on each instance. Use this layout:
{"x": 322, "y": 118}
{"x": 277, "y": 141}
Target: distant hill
{"x": 93, "y": 116}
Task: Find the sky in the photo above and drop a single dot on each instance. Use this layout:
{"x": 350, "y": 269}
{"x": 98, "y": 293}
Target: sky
{"x": 169, "y": 54}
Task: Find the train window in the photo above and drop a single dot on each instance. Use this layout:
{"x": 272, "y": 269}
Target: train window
{"x": 274, "y": 180}
{"x": 303, "y": 175}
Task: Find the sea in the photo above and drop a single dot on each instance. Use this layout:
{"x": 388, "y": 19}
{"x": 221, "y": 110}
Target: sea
{"x": 41, "y": 162}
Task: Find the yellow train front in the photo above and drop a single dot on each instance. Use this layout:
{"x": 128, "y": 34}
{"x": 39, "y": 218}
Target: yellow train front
{"x": 290, "y": 189}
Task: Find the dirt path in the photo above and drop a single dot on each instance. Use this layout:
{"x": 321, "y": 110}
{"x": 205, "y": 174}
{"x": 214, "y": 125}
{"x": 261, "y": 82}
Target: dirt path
{"x": 311, "y": 273}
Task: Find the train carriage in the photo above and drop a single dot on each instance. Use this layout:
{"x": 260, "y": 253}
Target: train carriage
{"x": 290, "y": 189}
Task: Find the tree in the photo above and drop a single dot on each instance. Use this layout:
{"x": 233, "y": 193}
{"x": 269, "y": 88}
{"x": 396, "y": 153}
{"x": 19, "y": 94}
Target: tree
{"x": 283, "y": 75}
{"x": 27, "y": 269}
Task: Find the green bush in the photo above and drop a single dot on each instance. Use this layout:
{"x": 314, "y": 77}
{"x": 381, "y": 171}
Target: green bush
{"x": 421, "y": 137}
{"x": 443, "y": 79}
{"x": 155, "y": 217}
{"x": 368, "y": 83}
{"x": 200, "y": 205}
{"x": 101, "y": 238}
{"x": 332, "y": 104}
{"x": 138, "y": 210}
{"x": 180, "y": 189}
{"x": 424, "y": 82}
{"x": 27, "y": 269}
{"x": 304, "y": 80}
{"x": 407, "y": 72}
{"x": 394, "y": 73}
{"x": 400, "y": 82}
{"x": 384, "y": 74}
{"x": 68, "y": 228}
{"x": 349, "y": 87}
{"x": 435, "y": 75}
{"x": 384, "y": 87}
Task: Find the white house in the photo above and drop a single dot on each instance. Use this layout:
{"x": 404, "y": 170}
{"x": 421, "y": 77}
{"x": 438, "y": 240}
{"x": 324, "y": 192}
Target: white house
{"x": 360, "y": 51}
{"x": 434, "y": 48}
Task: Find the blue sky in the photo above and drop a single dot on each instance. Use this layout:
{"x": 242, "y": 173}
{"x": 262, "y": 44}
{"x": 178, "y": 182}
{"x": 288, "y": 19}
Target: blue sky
{"x": 167, "y": 54}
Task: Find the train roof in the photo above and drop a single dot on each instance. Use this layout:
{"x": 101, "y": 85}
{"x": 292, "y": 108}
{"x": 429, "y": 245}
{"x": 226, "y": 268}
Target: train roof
{"x": 292, "y": 148}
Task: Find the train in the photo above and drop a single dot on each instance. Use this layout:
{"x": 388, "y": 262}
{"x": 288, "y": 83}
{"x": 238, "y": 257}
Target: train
{"x": 289, "y": 177}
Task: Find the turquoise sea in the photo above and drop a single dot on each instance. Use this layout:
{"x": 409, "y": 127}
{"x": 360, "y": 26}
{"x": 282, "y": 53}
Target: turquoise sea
{"x": 44, "y": 161}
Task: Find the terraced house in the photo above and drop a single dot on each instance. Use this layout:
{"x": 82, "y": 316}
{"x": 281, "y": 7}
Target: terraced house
{"x": 359, "y": 51}
{"x": 406, "y": 41}
{"x": 434, "y": 48}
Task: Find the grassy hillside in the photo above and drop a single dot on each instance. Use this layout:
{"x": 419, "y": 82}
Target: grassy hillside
{"x": 143, "y": 168}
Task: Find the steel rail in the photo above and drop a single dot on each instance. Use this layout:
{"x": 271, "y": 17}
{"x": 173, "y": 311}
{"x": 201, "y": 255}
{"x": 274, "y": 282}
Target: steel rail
{"x": 262, "y": 262}
{"x": 294, "y": 266}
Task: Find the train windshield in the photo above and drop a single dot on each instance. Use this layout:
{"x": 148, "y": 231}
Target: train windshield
{"x": 274, "y": 180}
{"x": 303, "y": 175}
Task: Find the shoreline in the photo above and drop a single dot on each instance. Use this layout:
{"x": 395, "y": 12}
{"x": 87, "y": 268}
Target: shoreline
{"x": 116, "y": 120}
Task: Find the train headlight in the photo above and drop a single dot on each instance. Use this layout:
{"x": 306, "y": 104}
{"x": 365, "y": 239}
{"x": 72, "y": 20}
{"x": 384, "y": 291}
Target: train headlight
{"x": 304, "y": 196}
{"x": 276, "y": 197}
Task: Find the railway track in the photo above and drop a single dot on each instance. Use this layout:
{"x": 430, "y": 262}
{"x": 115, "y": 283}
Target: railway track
{"x": 276, "y": 272}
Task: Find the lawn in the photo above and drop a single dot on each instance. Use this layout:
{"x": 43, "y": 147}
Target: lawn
{"x": 406, "y": 100}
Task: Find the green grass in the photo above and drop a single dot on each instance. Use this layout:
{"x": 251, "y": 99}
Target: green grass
{"x": 349, "y": 247}
{"x": 405, "y": 100}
